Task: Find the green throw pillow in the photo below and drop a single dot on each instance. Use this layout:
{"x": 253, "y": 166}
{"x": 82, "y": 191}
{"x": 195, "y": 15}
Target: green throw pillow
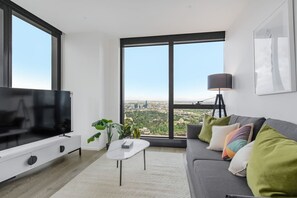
{"x": 272, "y": 167}
{"x": 208, "y": 122}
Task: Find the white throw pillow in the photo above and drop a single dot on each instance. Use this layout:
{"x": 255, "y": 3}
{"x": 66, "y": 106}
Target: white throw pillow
{"x": 240, "y": 160}
{"x": 219, "y": 134}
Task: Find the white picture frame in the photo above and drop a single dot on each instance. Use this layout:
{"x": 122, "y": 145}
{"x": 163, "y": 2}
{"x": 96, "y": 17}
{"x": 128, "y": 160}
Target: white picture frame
{"x": 274, "y": 52}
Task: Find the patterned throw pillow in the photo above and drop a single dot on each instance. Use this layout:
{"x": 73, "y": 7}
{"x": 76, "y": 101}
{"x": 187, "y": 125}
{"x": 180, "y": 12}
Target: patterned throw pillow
{"x": 236, "y": 140}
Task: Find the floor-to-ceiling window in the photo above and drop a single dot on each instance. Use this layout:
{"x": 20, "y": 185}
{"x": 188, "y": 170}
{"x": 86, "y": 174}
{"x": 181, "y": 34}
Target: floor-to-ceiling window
{"x": 164, "y": 77}
{"x": 193, "y": 62}
{"x": 30, "y": 50}
{"x": 146, "y": 85}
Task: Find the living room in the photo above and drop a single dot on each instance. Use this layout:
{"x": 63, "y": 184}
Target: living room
{"x": 103, "y": 53}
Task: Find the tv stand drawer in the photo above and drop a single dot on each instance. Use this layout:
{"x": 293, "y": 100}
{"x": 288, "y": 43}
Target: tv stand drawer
{"x": 27, "y": 157}
{"x": 14, "y": 166}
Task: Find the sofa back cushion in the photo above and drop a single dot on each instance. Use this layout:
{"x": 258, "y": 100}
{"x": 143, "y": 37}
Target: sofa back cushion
{"x": 286, "y": 128}
{"x": 243, "y": 120}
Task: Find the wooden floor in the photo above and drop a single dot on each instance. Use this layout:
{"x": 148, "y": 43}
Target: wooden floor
{"x": 45, "y": 181}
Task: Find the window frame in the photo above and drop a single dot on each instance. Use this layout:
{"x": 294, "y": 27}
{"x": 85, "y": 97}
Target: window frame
{"x": 169, "y": 40}
{"x": 11, "y": 9}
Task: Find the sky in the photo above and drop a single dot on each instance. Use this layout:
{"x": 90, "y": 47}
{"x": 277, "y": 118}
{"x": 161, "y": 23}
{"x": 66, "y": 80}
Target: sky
{"x": 31, "y": 56}
{"x": 146, "y": 68}
{"x": 146, "y": 71}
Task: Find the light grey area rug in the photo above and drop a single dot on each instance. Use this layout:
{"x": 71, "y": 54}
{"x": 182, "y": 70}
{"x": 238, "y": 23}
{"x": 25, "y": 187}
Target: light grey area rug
{"x": 165, "y": 177}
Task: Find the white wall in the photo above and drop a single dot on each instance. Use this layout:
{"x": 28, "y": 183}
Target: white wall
{"x": 91, "y": 71}
{"x": 239, "y": 61}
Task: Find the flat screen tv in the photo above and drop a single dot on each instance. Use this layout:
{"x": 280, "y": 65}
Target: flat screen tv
{"x": 28, "y": 115}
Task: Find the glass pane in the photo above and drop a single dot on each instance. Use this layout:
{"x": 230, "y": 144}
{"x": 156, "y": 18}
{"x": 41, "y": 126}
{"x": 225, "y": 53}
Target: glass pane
{"x": 192, "y": 64}
{"x": 31, "y": 56}
{"x": 1, "y": 47}
{"x": 146, "y": 88}
{"x": 183, "y": 117}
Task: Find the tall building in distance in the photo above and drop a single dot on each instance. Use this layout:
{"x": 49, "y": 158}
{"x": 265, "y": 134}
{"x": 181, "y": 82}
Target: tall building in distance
{"x": 136, "y": 106}
{"x": 145, "y": 105}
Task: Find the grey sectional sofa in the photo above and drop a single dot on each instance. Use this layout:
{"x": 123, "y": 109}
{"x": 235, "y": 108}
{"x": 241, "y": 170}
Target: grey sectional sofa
{"x": 208, "y": 174}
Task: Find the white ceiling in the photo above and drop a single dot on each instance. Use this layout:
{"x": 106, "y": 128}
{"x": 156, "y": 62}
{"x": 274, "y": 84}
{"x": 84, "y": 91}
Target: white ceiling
{"x": 128, "y": 18}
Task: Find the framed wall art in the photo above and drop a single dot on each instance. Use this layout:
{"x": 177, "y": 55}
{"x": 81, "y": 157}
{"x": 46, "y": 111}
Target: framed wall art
{"x": 274, "y": 52}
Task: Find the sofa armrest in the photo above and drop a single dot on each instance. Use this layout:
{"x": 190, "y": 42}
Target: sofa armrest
{"x": 239, "y": 196}
{"x": 193, "y": 131}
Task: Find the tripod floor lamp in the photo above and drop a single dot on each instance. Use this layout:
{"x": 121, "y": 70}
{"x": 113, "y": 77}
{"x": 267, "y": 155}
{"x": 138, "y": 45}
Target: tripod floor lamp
{"x": 219, "y": 82}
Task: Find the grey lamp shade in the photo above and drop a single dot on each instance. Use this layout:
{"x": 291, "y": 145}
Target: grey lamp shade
{"x": 219, "y": 82}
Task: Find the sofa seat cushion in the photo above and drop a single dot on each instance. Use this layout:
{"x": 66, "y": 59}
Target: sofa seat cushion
{"x": 196, "y": 150}
{"x": 213, "y": 180}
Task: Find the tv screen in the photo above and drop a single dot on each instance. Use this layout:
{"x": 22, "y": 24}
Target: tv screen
{"x": 28, "y": 115}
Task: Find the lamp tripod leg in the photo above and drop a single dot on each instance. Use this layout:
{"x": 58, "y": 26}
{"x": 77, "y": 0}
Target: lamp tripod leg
{"x": 215, "y": 105}
{"x": 220, "y": 103}
{"x": 224, "y": 107}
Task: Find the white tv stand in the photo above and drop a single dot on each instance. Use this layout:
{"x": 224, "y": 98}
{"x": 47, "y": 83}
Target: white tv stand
{"x": 17, "y": 160}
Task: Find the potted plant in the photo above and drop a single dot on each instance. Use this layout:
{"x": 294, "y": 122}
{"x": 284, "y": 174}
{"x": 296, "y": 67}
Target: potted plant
{"x": 102, "y": 125}
{"x": 129, "y": 130}
{"x": 136, "y": 133}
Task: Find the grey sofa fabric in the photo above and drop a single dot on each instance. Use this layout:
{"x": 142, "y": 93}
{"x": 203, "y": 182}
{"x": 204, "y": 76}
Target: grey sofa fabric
{"x": 196, "y": 150}
{"x": 207, "y": 173}
{"x": 257, "y": 121}
{"x": 286, "y": 128}
{"x": 193, "y": 131}
{"x": 213, "y": 180}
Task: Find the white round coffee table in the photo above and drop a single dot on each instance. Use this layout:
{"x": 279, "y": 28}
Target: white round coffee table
{"x": 116, "y": 152}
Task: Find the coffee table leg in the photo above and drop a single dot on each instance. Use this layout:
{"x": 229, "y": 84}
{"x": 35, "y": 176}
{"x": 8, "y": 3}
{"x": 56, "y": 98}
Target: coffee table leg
{"x": 120, "y": 172}
{"x": 144, "y": 159}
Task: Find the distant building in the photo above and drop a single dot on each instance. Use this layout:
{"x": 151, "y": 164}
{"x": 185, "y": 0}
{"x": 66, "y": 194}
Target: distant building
{"x": 136, "y": 106}
{"x": 145, "y": 106}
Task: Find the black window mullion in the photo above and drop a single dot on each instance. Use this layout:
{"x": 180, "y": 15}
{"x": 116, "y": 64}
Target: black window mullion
{"x": 59, "y": 63}
{"x": 171, "y": 90}
{"x": 194, "y": 106}
{"x": 7, "y": 46}
{"x": 2, "y": 81}
{"x": 122, "y": 79}
{"x": 56, "y": 63}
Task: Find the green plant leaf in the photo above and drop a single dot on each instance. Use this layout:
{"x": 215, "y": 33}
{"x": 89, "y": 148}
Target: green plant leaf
{"x": 92, "y": 138}
{"x": 100, "y": 127}
{"x": 97, "y": 135}
{"x": 106, "y": 121}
